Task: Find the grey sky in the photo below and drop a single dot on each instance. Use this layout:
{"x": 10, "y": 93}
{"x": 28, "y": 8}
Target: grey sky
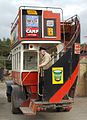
{"x": 9, "y": 9}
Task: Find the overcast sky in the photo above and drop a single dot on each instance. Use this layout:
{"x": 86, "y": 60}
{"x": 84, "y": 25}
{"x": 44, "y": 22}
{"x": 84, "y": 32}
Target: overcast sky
{"x": 9, "y": 9}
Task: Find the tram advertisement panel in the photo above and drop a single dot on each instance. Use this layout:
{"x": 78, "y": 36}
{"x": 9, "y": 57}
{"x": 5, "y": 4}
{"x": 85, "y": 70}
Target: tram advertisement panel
{"x": 32, "y": 26}
{"x": 50, "y": 27}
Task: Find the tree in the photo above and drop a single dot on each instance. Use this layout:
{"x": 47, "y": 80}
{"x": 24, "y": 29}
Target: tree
{"x": 4, "y": 52}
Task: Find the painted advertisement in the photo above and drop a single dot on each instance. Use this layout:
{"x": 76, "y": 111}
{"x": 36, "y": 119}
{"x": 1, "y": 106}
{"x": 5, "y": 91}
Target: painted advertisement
{"x": 32, "y": 21}
{"x": 50, "y": 23}
{"x": 32, "y": 32}
{"x": 57, "y": 75}
{"x": 50, "y": 31}
{"x": 32, "y": 26}
{"x": 49, "y": 27}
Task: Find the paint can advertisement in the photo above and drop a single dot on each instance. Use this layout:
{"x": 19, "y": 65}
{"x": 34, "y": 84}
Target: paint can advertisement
{"x": 57, "y": 75}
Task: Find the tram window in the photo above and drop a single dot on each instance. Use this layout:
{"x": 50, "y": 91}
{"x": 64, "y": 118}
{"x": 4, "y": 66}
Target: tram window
{"x": 30, "y": 61}
{"x": 19, "y": 60}
{"x": 15, "y": 61}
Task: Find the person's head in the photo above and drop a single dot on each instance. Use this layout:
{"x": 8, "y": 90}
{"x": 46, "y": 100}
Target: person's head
{"x": 42, "y": 50}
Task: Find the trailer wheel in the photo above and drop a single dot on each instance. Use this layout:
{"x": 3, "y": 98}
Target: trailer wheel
{"x": 13, "y": 108}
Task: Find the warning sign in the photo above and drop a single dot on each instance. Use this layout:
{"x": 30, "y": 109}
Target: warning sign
{"x": 57, "y": 75}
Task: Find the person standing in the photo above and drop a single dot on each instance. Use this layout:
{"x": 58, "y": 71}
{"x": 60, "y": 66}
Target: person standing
{"x": 45, "y": 59}
{"x": 45, "y": 63}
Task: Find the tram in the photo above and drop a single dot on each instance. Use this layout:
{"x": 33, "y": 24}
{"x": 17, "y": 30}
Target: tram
{"x": 36, "y": 27}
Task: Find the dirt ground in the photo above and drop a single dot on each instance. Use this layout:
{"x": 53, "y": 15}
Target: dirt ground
{"x": 78, "y": 112}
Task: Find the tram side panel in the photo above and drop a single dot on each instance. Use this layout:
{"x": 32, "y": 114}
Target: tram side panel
{"x": 60, "y": 79}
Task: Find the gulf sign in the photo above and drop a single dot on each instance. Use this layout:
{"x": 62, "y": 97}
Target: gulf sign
{"x": 32, "y": 32}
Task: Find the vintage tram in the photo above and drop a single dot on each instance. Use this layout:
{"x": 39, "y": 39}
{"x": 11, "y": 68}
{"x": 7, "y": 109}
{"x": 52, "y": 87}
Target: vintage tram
{"x": 36, "y": 27}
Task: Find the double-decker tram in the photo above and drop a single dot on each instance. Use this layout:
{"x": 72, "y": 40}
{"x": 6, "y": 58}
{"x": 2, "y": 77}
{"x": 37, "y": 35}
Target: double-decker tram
{"x": 54, "y": 83}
